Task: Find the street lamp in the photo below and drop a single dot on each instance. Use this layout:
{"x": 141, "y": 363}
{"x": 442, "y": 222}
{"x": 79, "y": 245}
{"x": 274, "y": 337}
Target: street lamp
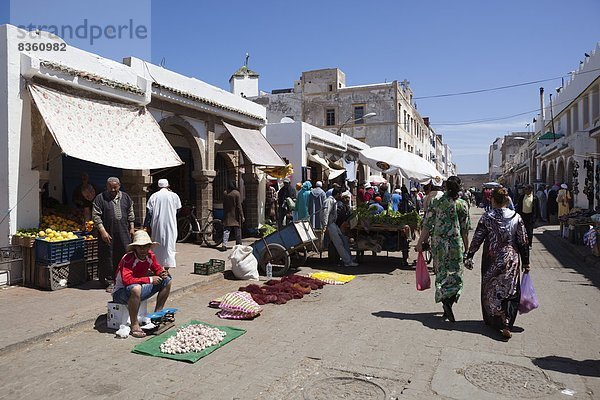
{"x": 352, "y": 119}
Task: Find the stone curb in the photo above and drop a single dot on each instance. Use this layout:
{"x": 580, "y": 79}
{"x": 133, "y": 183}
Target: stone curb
{"x": 84, "y": 323}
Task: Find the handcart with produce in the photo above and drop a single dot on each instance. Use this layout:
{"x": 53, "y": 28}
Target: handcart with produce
{"x": 389, "y": 231}
{"x": 285, "y": 248}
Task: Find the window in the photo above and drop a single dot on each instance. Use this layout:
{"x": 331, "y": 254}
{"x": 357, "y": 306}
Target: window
{"x": 359, "y": 112}
{"x": 569, "y": 123}
{"x": 575, "y": 117}
{"x": 330, "y": 88}
{"x": 586, "y": 111}
{"x": 595, "y": 103}
{"x": 330, "y": 117}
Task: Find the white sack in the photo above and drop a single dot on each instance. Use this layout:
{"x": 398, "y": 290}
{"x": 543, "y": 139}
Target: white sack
{"x": 243, "y": 263}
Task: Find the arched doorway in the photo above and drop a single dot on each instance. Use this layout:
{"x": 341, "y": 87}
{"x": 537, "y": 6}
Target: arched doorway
{"x": 544, "y": 174}
{"x": 187, "y": 180}
{"x": 560, "y": 171}
{"x": 570, "y": 170}
{"x": 551, "y": 179}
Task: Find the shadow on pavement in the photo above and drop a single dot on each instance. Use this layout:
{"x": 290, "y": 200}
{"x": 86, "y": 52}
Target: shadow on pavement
{"x": 100, "y": 325}
{"x": 434, "y": 320}
{"x": 568, "y": 365}
{"x": 90, "y": 285}
{"x": 566, "y": 259}
{"x": 368, "y": 265}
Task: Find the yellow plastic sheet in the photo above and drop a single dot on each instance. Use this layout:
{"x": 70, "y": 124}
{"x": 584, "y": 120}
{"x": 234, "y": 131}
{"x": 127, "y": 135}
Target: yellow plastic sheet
{"x": 332, "y": 278}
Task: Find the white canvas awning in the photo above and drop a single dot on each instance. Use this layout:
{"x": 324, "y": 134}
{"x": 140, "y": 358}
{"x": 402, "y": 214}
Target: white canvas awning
{"x": 114, "y": 134}
{"x": 390, "y": 160}
{"x": 319, "y": 160}
{"x": 334, "y": 173}
{"x": 255, "y": 146}
{"x": 329, "y": 172}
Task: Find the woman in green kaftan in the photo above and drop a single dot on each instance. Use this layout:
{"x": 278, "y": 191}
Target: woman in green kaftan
{"x": 446, "y": 225}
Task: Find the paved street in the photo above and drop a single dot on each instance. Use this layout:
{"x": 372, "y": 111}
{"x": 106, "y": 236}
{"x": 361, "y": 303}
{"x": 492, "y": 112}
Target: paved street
{"x": 374, "y": 338}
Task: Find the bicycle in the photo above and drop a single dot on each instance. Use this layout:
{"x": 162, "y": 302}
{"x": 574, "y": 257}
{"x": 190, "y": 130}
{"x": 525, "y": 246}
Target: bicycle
{"x": 209, "y": 228}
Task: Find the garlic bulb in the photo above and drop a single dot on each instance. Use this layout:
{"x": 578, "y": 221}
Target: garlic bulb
{"x": 192, "y": 338}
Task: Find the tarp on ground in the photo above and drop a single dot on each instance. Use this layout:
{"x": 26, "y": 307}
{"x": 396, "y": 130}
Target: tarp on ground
{"x": 104, "y": 132}
{"x": 151, "y": 347}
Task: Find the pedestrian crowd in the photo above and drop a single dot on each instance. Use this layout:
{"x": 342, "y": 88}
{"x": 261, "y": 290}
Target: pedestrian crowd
{"x": 134, "y": 265}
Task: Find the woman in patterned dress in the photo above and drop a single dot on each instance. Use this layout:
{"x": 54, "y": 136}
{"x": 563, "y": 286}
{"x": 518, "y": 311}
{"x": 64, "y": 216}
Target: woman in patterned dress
{"x": 504, "y": 239}
{"x": 446, "y": 225}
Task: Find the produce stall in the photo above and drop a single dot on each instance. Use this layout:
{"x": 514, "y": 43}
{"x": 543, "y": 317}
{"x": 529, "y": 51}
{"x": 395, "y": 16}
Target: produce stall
{"x": 61, "y": 252}
{"x": 387, "y": 231}
{"x": 576, "y": 224}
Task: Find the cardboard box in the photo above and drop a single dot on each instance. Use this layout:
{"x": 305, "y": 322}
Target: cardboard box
{"x": 117, "y": 314}
{"x": 4, "y": 277}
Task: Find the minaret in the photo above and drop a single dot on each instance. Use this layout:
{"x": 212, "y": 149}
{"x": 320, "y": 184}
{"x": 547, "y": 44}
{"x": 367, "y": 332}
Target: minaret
{"x": 244, "y": 81}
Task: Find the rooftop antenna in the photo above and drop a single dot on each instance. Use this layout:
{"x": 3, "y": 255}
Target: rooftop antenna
{"x": 162, "y": 62}
{"x": 247, "y": 58}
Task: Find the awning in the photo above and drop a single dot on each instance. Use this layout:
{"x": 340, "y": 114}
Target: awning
{"x": 334, "y": 173}
{"x": 255, "y": 146}
{"x": 319, "y": 160}
{"x": 329, "y": 172}
{"x": 114, "y": 134}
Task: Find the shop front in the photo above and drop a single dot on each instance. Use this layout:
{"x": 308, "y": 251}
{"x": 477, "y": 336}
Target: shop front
{"x": 316, "y": 154}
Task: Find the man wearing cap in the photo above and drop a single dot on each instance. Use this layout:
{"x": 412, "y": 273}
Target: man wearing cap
{"x": 283, "y": 211}
{"x": 366, "y": 194}
{"x": 527, "y": 208}
{"x": 396, "y": 199}
{"x": 315, "y": 204}
{"x": 139, "y": 276}
{"x": 563, "y": 198}
{"x": 162, "y": 208}
{"x": 329, "y": 216}
{"x": 375, "y": 206}
{"x": 233, "y": 214}
{"x": 113, "y": 217}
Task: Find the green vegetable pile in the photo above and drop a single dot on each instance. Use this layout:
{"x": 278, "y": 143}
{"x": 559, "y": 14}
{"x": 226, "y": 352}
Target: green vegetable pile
{"x": 267, "y": 229}
{"x": 394, "y": 218}
{"x": 30, "y": 233}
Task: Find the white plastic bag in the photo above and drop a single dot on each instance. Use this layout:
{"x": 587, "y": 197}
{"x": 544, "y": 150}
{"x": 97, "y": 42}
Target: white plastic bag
{"x": 243, "y": 263}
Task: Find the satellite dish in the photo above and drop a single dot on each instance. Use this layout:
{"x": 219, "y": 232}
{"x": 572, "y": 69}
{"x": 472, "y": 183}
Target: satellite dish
{"x": 287, "y": 120}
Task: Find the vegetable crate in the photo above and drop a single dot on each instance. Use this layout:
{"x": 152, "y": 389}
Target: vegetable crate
{"x": 11, "y": 264}
{"x": 90, "y": 249}
{"x": 91, "y": 269}
{"x": 60, "y": 275}
{"x": 59, "y": 252}
{"x": 23, "y": 241}
{"x": 211, "y": 267}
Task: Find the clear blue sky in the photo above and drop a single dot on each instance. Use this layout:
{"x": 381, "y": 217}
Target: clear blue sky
{"x": 439, "y": 46}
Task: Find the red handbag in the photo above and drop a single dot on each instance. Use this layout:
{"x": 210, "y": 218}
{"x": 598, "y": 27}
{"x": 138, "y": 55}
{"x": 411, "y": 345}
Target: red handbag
{"x": 423, "y": 280}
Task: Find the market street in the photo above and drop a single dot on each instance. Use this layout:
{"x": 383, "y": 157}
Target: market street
{"x": 376, "y": 337}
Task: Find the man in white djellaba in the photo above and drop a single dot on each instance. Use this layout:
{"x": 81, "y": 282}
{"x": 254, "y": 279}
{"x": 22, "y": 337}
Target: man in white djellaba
{"x": 162, "y": 207}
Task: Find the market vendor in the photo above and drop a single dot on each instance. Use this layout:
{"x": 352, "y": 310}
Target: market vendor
{"x": 329, "y": 218}
{"x": 84, "y": 195}
{"x": 138, "y": 277}
{"x": 375, "y": 206}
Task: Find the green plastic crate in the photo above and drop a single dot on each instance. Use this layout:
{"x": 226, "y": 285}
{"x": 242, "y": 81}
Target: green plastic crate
{"x": 211, "y": 267}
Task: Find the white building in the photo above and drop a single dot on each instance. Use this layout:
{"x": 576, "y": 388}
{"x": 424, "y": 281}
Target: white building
{"x": 53, "y": 102}
{"x": 495, "y": 159}
{"x": 322, "y": 99}
{"x": 317, "y": 154}
{"x": 570, "y": 133}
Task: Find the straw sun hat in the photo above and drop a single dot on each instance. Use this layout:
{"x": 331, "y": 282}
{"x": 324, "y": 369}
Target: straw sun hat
{"x": 141, "y": 238}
